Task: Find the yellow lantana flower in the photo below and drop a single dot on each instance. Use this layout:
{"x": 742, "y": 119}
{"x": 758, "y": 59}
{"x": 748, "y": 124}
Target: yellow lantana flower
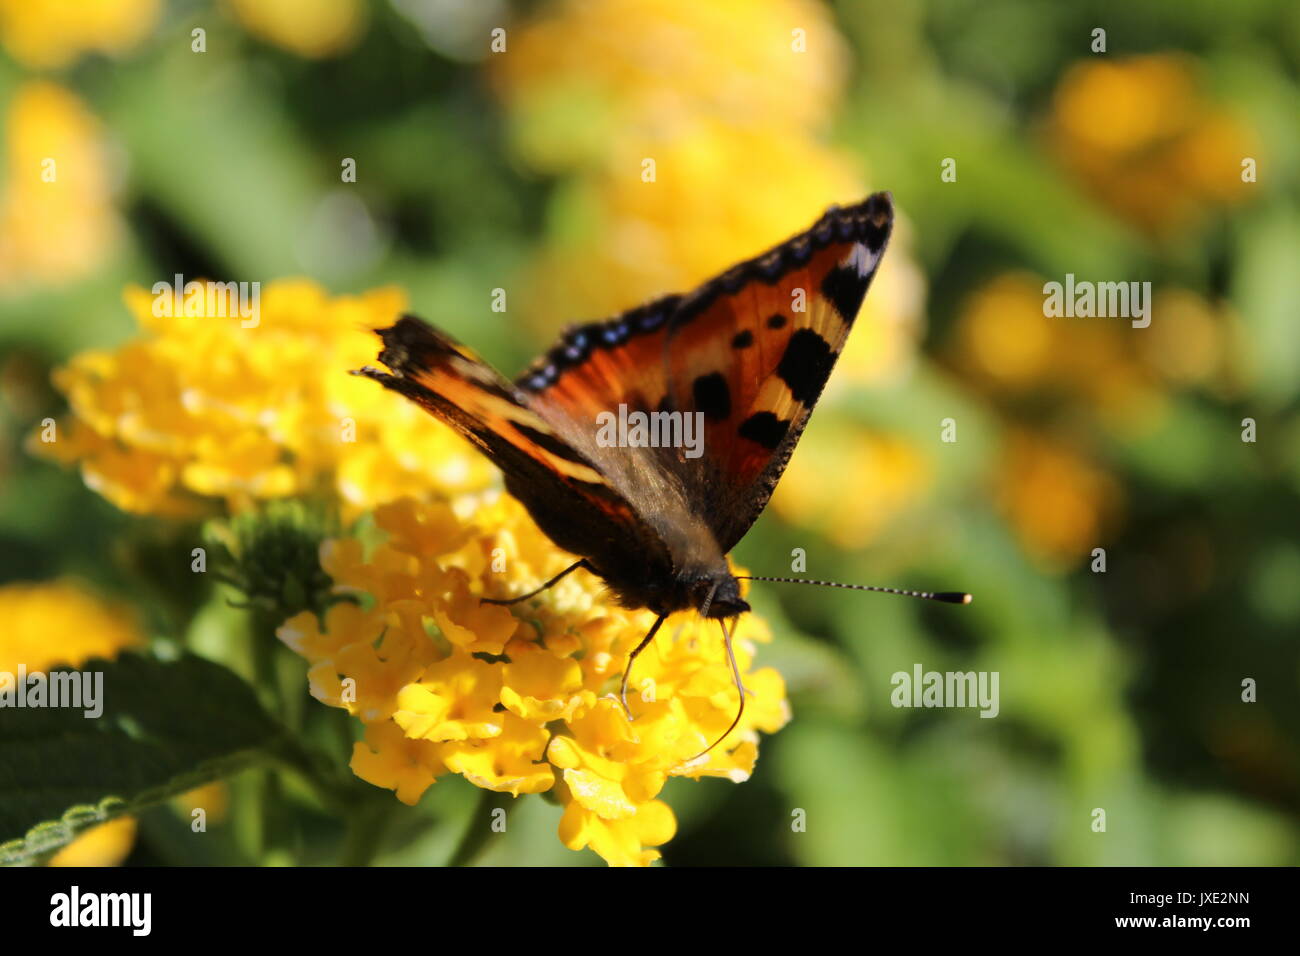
{"x": 520, "y": 701}
{"x": 199, "y": 410}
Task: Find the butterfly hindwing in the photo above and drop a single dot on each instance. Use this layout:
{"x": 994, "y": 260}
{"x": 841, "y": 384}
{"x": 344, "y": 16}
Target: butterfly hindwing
{"x": 566, "y": 493}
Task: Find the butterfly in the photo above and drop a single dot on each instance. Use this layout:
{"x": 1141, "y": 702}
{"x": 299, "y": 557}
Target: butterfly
{"x": 746, "y": 356}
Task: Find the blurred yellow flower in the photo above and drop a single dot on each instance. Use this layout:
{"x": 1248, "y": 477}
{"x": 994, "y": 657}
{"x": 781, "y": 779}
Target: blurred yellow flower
{"x": 212, "y": 798}
{"x": 1059, "y": 503}
{"x": 107, "y": 844}
{"x": 55, "y": 623}
{"x": 887, "y": 472}
{"x": 53, "y": 33}
{"x": 1002, "y": 336}
{"x": 309, "y": 28}
{"x": 199, "y": 409}
{"x": 711, "y": 205}
{"x": 1141, "y": 135}
{"x": 445, "y": 684}
{"x": 59, "y": 623}
{"x": 651, "y": 70}
{"x": 1006, "y": 344}
{"x": 57, "y": 219}
{"x": 1193, "y": 343}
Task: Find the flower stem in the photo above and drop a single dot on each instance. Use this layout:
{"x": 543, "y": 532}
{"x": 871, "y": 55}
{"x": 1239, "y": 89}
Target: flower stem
{"x": 475, "y": 835}
{"x": 366, "y": 826}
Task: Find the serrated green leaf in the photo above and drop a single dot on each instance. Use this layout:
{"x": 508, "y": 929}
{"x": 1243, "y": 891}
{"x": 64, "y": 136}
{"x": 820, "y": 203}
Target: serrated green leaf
{"x": 166, "y": 727}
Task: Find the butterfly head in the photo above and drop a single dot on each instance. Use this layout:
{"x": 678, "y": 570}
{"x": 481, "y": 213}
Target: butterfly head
{"x": 715, "y": 594}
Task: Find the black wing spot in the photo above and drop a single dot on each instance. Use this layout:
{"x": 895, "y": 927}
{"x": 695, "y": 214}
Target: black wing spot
{"x": 712, "y": 396}
{"x": 776, "y": 321}
{"x": 764, "y": 428}
{"x": 845, "y": 289}
{"x": 806, "y": 365}
{"x": 743, "y": 340}
{"x": 876, "y": 234}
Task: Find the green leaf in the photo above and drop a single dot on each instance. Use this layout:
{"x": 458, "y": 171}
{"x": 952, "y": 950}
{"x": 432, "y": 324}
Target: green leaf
{"x": 166, "y": 727}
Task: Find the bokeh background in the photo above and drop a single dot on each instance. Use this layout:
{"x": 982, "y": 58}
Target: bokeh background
{"x": 521, "y": 169}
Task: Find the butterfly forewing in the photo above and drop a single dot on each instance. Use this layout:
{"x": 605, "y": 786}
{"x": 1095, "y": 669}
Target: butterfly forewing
{"x": 750, "y": 351}
{"x": 600, "y": 365}
{"x": 754, "y": 360}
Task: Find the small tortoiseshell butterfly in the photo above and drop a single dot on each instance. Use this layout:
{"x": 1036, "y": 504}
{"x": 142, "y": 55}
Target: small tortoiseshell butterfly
{"x": 750, "y": 351}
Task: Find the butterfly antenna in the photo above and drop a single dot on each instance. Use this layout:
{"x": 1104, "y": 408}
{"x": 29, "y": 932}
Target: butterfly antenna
{"x": 631, "y": 658}
{"x": 947, "y": 597}
{"x": 740, "y": 689}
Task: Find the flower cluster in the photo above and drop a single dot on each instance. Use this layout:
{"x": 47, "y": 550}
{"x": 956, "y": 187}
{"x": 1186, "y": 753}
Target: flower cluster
{"x": 519, "y": 700}
{"x": 199, "y": 410}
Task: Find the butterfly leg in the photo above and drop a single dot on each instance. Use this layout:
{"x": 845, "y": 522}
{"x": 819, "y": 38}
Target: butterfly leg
{"x": 740, "y": 687}
{"x": 581, "y": 563}
{"x": 627, "y": 671}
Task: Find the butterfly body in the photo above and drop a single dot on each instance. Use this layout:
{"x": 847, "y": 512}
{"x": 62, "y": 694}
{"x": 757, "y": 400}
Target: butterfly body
{"x": 746, "y": 354}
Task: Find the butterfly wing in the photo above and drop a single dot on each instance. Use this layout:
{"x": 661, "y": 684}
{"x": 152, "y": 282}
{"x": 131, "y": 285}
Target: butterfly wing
{"x": 563, "y": 489}
{"x": 598, "y": 366}
{"x": 750, "y": 350}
